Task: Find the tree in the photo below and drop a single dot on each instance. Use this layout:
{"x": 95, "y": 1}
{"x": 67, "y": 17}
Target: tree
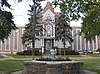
{"x": 29, "y": 34}
{"x": 87, "y": 10}
{"x": 6, "y": 22}
{"x": 63, "y": 30}
{"x": 91, "y": 22}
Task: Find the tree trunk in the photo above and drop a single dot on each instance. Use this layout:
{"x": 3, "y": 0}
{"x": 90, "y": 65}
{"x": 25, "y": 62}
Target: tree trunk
{"x": 33, "y": 36}
{"x": 64, "y": 48}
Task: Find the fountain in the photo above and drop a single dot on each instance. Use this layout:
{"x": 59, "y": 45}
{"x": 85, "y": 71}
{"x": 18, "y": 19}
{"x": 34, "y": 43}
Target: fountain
{"x": 53, "y": 66}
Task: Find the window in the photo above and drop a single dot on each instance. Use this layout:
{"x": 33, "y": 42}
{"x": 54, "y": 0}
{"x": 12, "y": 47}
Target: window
{"x": 48, "y": 31}
{"x": 79, "y": 42}
{"x": 8, "y": 44}
{"x": 49, "y": 18}
{"x": 23, "y": 46}
{"x": 48, "y": 44}
{"x": 73, "y": 41}
{"x": 87, "y": 45}
{"x": 95, "y": 43}
{"x": 15, "y": 40}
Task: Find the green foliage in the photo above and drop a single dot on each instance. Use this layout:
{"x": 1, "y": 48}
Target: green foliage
{"x": 91, "y": 22}
{"x": 88, "y": 10}
{"x": 73, "y": 8}
{"x": 4, "y": 3}
{"x": 71, "y": 52}
{"x": 0, "y": 56}
{"x": 67, "y": 52}
{"x": 63, "y": 29}
{"x": 8, "y": 66}
{"x": 92, "y": 65}
{"x": 58, "y": 59}
{"x": 6, "y": 22}
{"x": 28, "y": 33}
{"x": 29, "y": 52}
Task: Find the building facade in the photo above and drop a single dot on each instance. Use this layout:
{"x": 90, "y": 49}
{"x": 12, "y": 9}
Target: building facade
{"x": 47, "y": 41}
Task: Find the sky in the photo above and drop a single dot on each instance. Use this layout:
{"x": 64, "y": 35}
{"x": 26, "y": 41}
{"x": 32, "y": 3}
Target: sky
{"x": 21, "y": 10}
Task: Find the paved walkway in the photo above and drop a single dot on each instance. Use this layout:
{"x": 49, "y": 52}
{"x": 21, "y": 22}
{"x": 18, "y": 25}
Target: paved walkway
{"x": 86, "y": 72}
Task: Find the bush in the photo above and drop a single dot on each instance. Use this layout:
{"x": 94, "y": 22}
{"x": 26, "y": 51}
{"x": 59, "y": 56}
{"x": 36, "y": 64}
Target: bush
{"x": 68, "y": 52}
{"x": 20, "y": 53}
{"x": 71, "y": 52}
{"x": 57, "y": 59}
{"x": 37, "y": 52}
{"x": 0, "y": 56}
{"x": 29, "y": 52}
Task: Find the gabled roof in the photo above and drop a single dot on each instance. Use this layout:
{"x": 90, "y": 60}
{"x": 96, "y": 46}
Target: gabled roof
{"x": 48, "y": 6}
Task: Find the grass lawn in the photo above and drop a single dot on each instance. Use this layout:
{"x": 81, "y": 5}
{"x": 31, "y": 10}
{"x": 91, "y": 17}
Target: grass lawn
{"x": 8, "y": 66}
{"x": 94, "y": 55}
{"x": 0, "y": 56}
{"x": 92, "y": 65}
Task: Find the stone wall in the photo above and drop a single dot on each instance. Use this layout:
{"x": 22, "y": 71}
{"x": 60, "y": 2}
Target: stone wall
{"x": 53, "y": 67}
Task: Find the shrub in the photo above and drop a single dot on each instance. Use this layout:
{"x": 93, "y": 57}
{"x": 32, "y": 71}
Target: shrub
{"x": 37, "y": 52}
{"x": 20, "y": 53}
{"x": 68, "y": 52}
{"x": 29, "y": 52}
{"x": 71, "y": 52}
{"x": 0, "y": 56}
{"x": 57, "y": 59}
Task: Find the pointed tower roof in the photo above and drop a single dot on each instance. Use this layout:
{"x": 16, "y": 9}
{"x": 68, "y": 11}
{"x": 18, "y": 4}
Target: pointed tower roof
{"x": 48, "y": 6}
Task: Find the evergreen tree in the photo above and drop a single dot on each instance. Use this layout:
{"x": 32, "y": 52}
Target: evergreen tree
{"x": 63, "y": 30}
{"x": 27, "y": 36}
{"x": 32, "y": 28}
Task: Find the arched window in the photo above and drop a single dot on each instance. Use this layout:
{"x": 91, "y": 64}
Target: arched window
{"x": 48, "y": 31}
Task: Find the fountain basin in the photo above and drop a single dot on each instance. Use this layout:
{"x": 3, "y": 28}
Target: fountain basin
{"x": 53, "y": 67}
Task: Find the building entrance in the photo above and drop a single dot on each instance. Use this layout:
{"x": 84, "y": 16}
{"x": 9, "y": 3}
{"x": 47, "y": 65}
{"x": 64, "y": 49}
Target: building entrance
{"x": 48, "y": 45}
